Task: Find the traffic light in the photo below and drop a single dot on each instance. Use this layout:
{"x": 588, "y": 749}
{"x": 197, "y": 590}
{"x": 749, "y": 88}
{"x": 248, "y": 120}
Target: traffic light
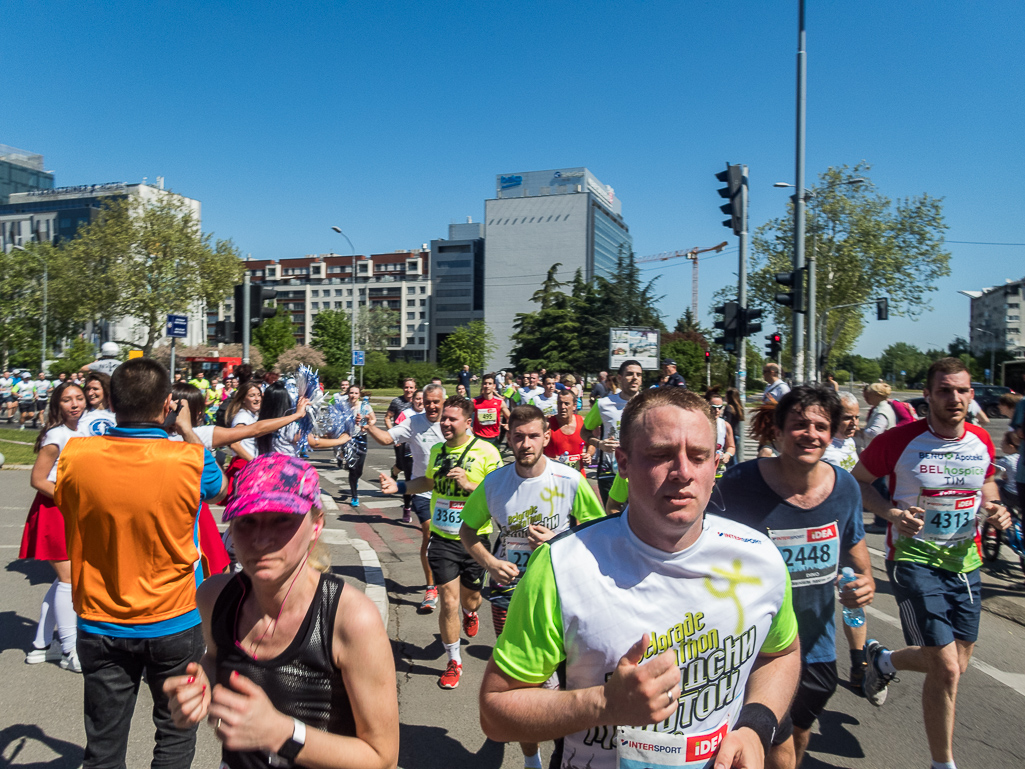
{"x": 730, "y": 317}
{"x": 708, "y": 357}
{"x": 258, "y": 313}
{"x": 775, "y": 344}
{"x": 882, "y": 308}
{"x": 733, "y": 176}
{"x": 224, "y": 332}
{"x": 748, "y": 327}
{"x": 795, "y": 299}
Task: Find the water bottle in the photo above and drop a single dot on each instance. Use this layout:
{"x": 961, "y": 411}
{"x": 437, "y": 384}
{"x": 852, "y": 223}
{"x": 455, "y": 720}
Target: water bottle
{"x": 564, "y": 457}
{"x": 851, "y": 617}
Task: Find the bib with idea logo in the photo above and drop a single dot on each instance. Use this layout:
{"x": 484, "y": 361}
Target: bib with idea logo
{"x": 949, "y": 515}
{"x": 811, "y": 554}
{"x": 446, "y": 516}
{"x": 645, "y": 749}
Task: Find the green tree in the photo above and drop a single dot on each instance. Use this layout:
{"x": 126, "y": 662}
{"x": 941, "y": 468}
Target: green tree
{"x": 290, "y": 360}
{"x": 902, "y": 362}
{"x": 550, "y": 337}
{"x": 332, "y": 336}
{"x": 375, "y": 326}
{"x": 866, "y": 246}
{"x": 273, "y": 337}
{"x": 144, "y": 260}
{"x": 864, "y": 369}
{"x": 471, "y": 344}
{"x": 76, "y": 355}
{"x": 17, "y": 303}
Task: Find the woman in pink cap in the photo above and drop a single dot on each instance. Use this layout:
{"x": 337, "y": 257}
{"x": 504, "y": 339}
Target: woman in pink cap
{"x": 301, "y": 666}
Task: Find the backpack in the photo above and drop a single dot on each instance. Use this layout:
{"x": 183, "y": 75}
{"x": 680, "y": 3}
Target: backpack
{"x": 904, "y": 412}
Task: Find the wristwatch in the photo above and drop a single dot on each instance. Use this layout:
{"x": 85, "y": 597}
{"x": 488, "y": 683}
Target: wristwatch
{"x": 295, "y": 743}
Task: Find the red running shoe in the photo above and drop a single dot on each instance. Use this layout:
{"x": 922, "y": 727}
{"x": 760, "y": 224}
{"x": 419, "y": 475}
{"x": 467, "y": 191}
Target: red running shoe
{"x": 430, "y": 601}
{"x": 471, "y": 624}
{"x": 450, "y": 678}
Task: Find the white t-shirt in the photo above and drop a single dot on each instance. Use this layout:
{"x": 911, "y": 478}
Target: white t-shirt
{"x": 96, "y": 422}
{"x": 205, "y": 433}
{"x": 58, "y": 436}
{"x": 6, "y": 383}
{"x": 421, "y": 434}
{"x": 246, "y": 417}
{"x": 283, "y": 440}
{"x": 842, "y": 452}
{"x": 105, "y": 365}
{"x": 43, "y": 388}
{"x": 549, "y": 406}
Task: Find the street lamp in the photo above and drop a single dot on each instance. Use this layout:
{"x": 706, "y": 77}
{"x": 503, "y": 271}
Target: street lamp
{"x": 46, "y": 281}
{"x": 355, "y": 302}
{"x": 992, "y": 351}
{"x": 812, "y": 358}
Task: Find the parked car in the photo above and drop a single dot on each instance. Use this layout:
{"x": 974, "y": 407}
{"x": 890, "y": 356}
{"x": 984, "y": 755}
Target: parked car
{"x": 988, "y": 397}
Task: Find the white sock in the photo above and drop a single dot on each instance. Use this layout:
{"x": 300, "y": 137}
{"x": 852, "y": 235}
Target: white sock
{"x": 532, "y": 762}
{"x": 453, "y": 652}
{"x": 467, "y": 613}
{"x": 47, "y": 621}
{"x": 943, "y": 765}
{"x": 67, "y": 620}
{"x": 885, "y": 663}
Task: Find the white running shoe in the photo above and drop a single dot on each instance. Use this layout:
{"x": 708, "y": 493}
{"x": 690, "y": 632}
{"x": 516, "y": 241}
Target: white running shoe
{"x": 51, "y": 653}
{"x": 70, "y": 662}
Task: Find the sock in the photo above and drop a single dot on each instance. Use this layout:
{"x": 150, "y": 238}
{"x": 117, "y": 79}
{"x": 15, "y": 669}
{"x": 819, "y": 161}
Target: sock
{"x": 453, "y": 652}
{"x": 532, "y": 762}
{"x": 857, "y": 657}
{"x": 943, "y": 765}
{"x": 467, "y": 613}
{"x": 47, "y": 621}
{"x": 885, "y": 664}
{"x": 67, "y": 620}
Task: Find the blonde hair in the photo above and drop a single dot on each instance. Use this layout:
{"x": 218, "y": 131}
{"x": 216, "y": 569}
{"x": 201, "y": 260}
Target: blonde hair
{"x": 879, "y": 388}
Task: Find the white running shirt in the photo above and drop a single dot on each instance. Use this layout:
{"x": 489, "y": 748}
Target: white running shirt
{"x": 421, "y": 434}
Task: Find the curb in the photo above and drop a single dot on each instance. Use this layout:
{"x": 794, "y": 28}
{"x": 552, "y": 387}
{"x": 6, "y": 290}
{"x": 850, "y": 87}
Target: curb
{"x": 373, "y": 574}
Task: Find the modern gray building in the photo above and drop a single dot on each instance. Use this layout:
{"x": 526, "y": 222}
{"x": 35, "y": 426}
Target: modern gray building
{"x": 457, "y": 275}
{"x": 22, "y": 171}
{"x": 537, "y": 219}
{"x": 995, "y": 321}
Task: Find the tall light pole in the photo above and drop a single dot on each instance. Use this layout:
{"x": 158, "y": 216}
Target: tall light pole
{"x": 46, "y": 282}
{"x": 812, "y": 359}
{"x": 992, "y": 351}
{"x": 355, "y": 302}
{"x": 802, "y": 98}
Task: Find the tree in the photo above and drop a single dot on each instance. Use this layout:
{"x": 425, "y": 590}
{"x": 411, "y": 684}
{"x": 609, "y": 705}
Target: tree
{"x": 17, "y": 300}
{"x": 866, "y": 246}
{"x": 273, "y": 337}
{"x": 864, "y": 369}
{"x": 144, "y": 259}
{"x": 291, "y": 359}
{"x": 333, "y": 337}
{"x": 550, "y": 337}
{"x": 76, "y": 355}
{"x": 903, "y": 362}
{"x": 471, "y": 344}
{"x": 374, "y": 327}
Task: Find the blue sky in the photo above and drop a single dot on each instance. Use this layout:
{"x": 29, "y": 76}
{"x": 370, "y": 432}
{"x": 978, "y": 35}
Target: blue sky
{"x": 391, "y": 119}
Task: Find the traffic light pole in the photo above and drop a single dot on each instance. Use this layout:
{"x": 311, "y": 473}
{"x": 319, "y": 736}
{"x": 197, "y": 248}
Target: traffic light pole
{"x": 798, "y": 340}
{"x": 247, "y": 313}
{"x": 742, "y": 301}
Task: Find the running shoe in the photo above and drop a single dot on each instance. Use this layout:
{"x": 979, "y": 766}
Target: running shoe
{"x": 70, "y": 662}
{"x": 430, "y": 601}
{"x": 450, "y": 678}
{"x": 407, "y": 515}
{"x": 52, "y": 653}
{"x": 876, "y": 681}
{"x": 354, "y": 501}
{"x": 857, "y": 678}
{"x": 471, "y": 624}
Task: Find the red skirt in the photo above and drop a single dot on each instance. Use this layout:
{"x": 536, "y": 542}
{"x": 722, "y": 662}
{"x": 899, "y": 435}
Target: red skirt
{"x": 43, "y": 537}
{"x": 234, "y": 467}
{"x": 211, "y": 547}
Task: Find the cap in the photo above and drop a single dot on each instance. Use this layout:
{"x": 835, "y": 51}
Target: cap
{"x": 669, "y": 362}
{"x": 110, "y": 349}
{"x": 274, "y": 483}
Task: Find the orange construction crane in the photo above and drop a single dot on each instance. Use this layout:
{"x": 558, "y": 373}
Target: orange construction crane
{"x": 692, "y": 254}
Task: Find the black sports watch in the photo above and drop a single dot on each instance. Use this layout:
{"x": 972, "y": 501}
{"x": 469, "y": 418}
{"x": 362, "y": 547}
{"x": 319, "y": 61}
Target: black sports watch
{"x": 295, "y": 743}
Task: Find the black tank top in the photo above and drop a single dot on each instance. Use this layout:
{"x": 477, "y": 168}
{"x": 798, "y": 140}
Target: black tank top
{"x": 302, "y": 681}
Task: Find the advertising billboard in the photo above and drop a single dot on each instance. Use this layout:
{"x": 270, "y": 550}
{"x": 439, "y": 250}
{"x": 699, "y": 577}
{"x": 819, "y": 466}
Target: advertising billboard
{"x": 634, "y": 343}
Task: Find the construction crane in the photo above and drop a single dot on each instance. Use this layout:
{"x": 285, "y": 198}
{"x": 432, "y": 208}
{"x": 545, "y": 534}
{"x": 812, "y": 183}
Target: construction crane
{"x": 692, "y": 254}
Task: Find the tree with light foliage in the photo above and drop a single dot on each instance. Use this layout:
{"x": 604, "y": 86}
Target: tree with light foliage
{"x": 290, "y": 360}
{"x": 471, "y": 344}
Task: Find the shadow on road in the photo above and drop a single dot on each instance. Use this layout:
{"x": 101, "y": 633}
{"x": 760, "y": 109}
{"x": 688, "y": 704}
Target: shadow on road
{"x": 416, "y": 742}
{"x": 16, "y": 631}
{"x": 38, "y": 572}
{"x": 396, "y": 589}
{"x": 69, "y": 755}
{"x": 833, "y": 738}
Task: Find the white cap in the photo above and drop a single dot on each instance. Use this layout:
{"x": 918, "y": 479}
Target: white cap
{"x": 109, "y": 349}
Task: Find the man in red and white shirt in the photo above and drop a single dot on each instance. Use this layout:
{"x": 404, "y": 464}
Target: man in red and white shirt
{"x": 566, "y": 444}
{"x": 940, "y": 472}
{"x": 489, "y": 411}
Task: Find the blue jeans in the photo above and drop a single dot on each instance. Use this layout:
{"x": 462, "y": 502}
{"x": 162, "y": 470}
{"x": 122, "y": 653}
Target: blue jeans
{"x": 112, "y": 669}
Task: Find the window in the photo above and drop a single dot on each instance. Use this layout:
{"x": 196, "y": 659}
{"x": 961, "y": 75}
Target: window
{"x": 410, "y": 316}
{"x": 410, "y": 340}
{"x": 411, "y": 303}
{"x": 338, "y": 292}
{"x": 423, "y": 315}
{"x": 394, "y": 341}
{"x": 410, "y": 328}
{"x": 338, "y": 305}
{"x": 348, "y": 292}
{"x": 421, "y": 340}
{"x": 423, "y": 289}
{"x": 315, "y": 292}
{"x": 423, "y": 302}
{"x": 348, "y": 305}
{"x": 316, "y": 305}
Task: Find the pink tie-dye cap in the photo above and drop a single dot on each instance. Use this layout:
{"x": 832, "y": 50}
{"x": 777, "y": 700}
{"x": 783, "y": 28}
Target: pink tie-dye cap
{"x": 274, "y": 483}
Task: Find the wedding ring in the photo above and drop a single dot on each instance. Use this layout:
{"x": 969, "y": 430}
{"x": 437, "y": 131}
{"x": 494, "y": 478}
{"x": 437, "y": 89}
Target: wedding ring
{"x": 669, "y": 694}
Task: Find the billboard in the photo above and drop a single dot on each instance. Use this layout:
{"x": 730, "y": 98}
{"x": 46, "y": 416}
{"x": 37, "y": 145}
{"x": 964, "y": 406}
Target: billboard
{"x": 634, "y": 343}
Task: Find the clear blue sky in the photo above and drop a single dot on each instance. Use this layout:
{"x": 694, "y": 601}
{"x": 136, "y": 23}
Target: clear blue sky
{"x": 392, "y": 119}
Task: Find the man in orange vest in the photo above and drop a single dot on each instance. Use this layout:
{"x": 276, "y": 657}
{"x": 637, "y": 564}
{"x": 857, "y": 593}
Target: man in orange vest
{"x": 130, "y": 501}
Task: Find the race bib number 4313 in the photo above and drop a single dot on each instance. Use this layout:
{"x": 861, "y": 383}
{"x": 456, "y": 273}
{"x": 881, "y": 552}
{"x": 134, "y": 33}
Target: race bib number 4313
{"x": 811, "y": 554}
{"x": 949, "y": 515}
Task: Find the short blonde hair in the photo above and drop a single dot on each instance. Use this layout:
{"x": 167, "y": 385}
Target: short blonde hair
{"x": 879, "y": 388}
{"x": 569, "y": 379}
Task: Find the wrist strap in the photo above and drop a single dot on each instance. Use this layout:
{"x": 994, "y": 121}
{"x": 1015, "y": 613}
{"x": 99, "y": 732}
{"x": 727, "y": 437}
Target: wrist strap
{"x": 402, "y": 486}
{"x": 759, "y": 719}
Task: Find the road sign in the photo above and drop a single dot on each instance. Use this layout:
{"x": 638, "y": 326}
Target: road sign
{"x": 178, "y": 325}
{"x": 359, "y": 358}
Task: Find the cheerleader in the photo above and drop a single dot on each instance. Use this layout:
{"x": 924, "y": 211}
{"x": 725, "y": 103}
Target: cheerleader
{"x": 99, "y": 418}
{"x": 244, "y": 409}
{"x": 43, "y": 537}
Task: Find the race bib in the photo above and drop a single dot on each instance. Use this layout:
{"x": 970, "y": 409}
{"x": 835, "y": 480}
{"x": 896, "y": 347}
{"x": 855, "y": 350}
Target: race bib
{"x": 487, "y": 416}
{"x": 949, "y": 515}
{"x": 646, "y": 749}
{"x": 811, "y": 554}
{"x": 446, "y": 516}
{"x": 517, "y": 551}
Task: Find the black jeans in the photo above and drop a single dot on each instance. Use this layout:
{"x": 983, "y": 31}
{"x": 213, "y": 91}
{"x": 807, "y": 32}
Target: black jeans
{"x": 112, "y": 669}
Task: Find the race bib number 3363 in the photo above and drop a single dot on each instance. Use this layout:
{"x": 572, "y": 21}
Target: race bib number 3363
{"x": 447, "y": 515}
{"x": 811, "y": 554}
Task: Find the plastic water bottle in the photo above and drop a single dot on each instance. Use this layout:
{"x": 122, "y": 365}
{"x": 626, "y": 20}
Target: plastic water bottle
{"x": 564, "y": 457}
{"x": 851, "y": 617}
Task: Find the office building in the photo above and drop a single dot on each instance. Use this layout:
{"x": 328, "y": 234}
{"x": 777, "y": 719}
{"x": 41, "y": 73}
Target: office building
{"x": 309, "y": 285}
{"x": 22, "y": 171}
{"x": 996, "y": 319}
{"x": 539, "y": 218}
{"x": 457, "y": 271}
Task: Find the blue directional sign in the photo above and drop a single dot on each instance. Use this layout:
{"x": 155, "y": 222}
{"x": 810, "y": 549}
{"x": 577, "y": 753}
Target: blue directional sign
{"x": 359, "y": 358}
{"x": 178, "y": 325}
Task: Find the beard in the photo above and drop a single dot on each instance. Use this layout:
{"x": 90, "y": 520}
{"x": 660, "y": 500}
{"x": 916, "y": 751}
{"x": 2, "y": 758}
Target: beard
{"x": 523, "y": 461}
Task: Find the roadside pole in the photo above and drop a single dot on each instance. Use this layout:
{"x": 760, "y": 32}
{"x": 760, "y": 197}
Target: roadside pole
{"x": 742, "y": 301}
{"x": 246, "y": 315}
{"x": 173, "y": 340}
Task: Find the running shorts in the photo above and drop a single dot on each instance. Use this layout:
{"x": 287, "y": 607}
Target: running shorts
{"x": 449, "y": 560}
{"x": 936, "y": 606}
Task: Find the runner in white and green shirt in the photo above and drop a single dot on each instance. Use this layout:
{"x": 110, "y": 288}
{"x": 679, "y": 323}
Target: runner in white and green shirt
{"x": 606, "y": 414}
